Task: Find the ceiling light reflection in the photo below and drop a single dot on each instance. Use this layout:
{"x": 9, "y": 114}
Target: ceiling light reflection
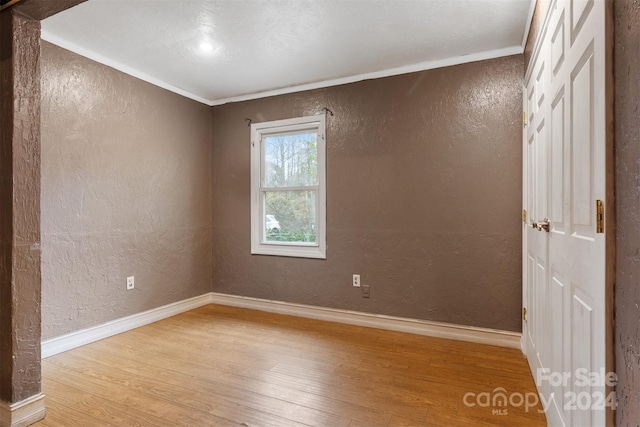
{"x": 206, "y": 47}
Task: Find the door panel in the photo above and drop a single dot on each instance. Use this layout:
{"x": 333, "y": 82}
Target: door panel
{"x": 579, "y": 12}
{"x": 531, "y": 104}
{"x": 557, "y": 43}
{"x": 531, "y": 268}
{"x": 540, "y": 194}
{"x": 540, "y": 86}
{"x": 557, "y": 179}
{"x": 559, "y": 317}
{"x": 582, "y": 146}
{"x": 582, "y": 319}
{"x": 564, "y": 176}
{"x": 536, "y": 182}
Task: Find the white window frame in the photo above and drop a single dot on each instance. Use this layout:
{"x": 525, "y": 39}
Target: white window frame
{"x": 259, "y": 245}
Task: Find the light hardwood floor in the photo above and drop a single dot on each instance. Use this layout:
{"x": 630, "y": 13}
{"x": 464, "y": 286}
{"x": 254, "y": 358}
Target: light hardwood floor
{"x": 222, "y": 366}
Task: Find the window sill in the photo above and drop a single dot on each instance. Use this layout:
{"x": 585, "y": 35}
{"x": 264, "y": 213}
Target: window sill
{"x": 314, "y": 252}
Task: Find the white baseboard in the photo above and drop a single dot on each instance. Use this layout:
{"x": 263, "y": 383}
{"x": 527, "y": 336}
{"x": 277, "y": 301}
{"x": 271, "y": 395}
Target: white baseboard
{"x": 420, "y": 327}
{"x": 24, "y": 413}
{"x": 413, "y": 326}
{"x": 85, "y": 336}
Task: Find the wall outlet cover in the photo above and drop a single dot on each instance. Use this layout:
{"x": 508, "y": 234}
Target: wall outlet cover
{"x": 366, "y": 291}
{"x": 356, "y": 280}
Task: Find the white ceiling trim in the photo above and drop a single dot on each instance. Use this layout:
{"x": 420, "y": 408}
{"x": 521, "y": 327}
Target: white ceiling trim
{"x": 423, "y": 66}
{"x": 51, "y": 38}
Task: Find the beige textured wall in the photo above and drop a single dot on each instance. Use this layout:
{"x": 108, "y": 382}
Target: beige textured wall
{"x": 19, "y": 207}
{"x": 423, "y": 199}
{"x": 6, "y": 206}
{"x": 627, "y": 140}
{"x": 20, "y": 279}
{"x": 416, "y": 202}
{"x": 125, "y": 191}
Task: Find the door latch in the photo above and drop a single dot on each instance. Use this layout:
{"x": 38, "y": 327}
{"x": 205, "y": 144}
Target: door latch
{"x": 541, "y": 225}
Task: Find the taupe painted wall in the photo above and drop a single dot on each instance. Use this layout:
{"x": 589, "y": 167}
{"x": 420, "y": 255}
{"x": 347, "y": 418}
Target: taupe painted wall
{"x": 627, "y": 139}
{"x": 6, "y": 204}
{"x": 20, "y": 279}
{"x": 423, "y": 200}
{"x": 19, "y": 207}
{"x": 125, "y": 191}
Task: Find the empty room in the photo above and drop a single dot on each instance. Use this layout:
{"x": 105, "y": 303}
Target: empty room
{"x": 319, "y": 213}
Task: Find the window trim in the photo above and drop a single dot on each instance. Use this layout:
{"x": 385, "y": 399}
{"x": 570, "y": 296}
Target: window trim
{"x": 289, "y": 249}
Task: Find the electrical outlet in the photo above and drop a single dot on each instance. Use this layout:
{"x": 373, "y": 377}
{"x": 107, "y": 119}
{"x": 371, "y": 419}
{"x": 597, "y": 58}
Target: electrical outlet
{"x": 130, "y": 283}
{"x": 356, "y": 280}
{"x": 366, "y": 292}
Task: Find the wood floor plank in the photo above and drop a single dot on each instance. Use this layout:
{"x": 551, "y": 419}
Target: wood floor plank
{"x": 141, "y": 385}
{"x": 234, "y": 388}
{"x": 224, "y": 366}
{"x": 59, "y": 415}
{"x": 103, "y": 411}
{"x": 236, "y": 413}
{"x": 299, "y": 407}
{"x": 133, "y": 398}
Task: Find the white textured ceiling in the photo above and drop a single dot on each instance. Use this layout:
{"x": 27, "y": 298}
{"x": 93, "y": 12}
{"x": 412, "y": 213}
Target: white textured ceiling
{"x": 265, "y": 47}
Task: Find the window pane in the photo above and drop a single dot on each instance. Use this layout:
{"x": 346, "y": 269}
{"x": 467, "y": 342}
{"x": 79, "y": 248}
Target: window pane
{"x": 291, "y": 160}
{"x": 290, "y": 216}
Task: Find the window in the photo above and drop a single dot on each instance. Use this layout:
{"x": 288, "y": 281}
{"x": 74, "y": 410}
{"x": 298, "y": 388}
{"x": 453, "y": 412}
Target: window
{"x": 288, "y": 187}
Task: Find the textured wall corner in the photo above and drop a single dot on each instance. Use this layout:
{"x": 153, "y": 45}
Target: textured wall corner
{"x": 20, "y": 279}
{"x": 627, "y": 139}
{"x": 540, "y": 12}
{"x": 26, "y": 208}
{"x": 6, "y": 204}
{"x": 126, "y": 190}
{"x": 20, "y": 216}
{"x": 423, "y": 197}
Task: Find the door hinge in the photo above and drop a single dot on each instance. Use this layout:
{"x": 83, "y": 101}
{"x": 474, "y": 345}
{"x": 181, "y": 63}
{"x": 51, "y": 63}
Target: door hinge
{"x": 599, "y": 216}
{"x": 524, "y": 313}
{"x": 524, "y": 215}
{"x": 524, "y": 118}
